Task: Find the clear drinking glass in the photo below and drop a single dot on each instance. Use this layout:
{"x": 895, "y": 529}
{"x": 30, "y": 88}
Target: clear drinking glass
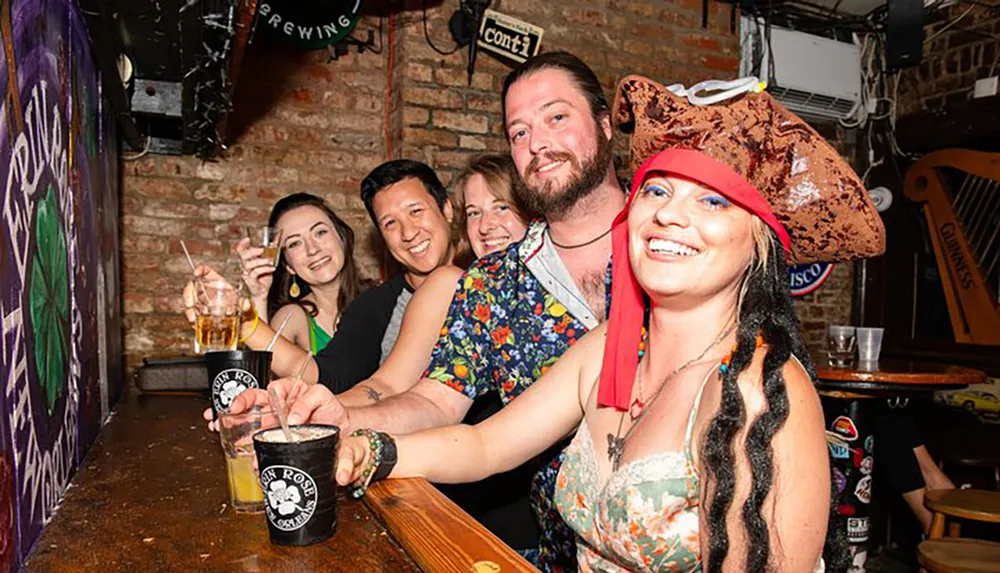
{"x": 236, "y": 434}
{"x": 217, "y": 324}
{"x": 840, "y": 345}
{"x": 267, "y": 238}
{"x": 869, "y": 343}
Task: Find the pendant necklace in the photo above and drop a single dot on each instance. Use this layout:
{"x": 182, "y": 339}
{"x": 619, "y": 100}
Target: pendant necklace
{"x": 616, "y": 442}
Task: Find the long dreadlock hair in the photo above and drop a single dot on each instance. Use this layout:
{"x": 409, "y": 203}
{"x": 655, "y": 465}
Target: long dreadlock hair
{"x": 766, "y": 308}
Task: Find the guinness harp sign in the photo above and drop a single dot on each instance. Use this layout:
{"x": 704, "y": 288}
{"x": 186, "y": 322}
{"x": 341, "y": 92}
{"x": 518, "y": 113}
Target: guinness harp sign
{"x": 309, "y": 24}
{"x": 508, "y": 37}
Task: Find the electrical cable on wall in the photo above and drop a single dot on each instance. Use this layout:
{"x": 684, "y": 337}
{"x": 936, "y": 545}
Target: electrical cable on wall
{"x": 388, "y": 88}
{"x": 872, "y": 66}
{"x": 427, "y": 35}
{"x": 949, "y": 25}
{"x": 145, "y": 150}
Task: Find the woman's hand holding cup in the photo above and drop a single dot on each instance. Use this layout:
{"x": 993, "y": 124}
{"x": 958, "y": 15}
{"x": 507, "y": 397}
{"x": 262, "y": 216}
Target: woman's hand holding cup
{"x": 258, "y": 270}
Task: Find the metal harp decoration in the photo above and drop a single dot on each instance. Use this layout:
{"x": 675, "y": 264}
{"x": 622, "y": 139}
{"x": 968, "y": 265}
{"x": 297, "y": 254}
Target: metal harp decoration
{"x": 960, "y": 190}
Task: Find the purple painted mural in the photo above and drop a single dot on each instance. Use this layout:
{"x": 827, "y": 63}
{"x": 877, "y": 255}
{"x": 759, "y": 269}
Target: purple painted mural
{"x": 60, "y": 349}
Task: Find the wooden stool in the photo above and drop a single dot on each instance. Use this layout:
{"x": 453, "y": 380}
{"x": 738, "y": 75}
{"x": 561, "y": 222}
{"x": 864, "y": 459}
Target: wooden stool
{"x": 975, "y": 459}
{"x": 959, "y": 555}
{"x": 975, "y": 504}
{"x": 954, "y": 555}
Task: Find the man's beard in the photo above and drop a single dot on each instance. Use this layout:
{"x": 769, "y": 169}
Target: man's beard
{"x": 585, "y": 179}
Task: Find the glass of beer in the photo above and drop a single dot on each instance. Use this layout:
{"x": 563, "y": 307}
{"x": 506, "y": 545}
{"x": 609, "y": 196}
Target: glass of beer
{"x": 267, "y": 238}
{"x": 236, "y": 433}
{"x": 217, "y": 325}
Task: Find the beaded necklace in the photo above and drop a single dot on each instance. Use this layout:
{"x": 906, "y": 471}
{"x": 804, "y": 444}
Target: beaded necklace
{"x": 616, "y": 442}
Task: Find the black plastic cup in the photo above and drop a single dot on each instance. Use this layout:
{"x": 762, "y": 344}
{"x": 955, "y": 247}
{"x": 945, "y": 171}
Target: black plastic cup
{"x": 299, "y": 483}
{"x": 233, "y": 371}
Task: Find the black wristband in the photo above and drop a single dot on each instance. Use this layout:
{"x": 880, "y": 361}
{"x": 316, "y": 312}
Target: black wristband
{"x": 387, "y": 460}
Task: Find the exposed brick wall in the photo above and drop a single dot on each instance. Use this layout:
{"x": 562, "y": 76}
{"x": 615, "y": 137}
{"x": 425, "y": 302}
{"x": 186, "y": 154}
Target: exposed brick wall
{"x": 307, "y": 124}
{"x": 953, "y": 60}
{"x": 829, "y": 304}
{"x": 445, "y": 120}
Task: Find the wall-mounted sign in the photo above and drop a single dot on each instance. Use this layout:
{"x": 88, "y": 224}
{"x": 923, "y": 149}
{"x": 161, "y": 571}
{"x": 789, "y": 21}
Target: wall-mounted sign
{"x": 803, "y": 279}
{"x": 309, "y": 24}
{"x": 509, "y": 37}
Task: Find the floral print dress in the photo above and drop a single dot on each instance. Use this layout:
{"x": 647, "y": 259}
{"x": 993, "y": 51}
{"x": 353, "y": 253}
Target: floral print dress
{"x": 643, "y": 518}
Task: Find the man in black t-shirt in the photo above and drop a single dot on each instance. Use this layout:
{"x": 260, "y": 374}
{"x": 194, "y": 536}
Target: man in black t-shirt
{"x": 411, "y": 211}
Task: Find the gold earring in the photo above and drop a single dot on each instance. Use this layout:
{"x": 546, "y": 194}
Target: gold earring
{"x": 294, "y": 291}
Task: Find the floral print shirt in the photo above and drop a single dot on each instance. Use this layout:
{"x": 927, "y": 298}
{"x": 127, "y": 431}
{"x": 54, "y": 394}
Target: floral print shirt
{"x": 514, "y": 314}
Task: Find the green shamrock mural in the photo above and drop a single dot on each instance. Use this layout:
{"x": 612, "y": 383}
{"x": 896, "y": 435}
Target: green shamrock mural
{"x": 48, "y": 298}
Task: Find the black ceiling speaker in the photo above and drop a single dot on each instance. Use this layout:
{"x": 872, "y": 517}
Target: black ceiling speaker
{"x": 904, "y": 34}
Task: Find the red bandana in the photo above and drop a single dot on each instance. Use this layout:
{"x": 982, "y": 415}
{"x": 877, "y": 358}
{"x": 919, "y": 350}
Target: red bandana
{"x": 627, "y": 304}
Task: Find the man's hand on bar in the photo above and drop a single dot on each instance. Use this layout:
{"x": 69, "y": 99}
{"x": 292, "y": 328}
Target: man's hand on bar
{"x": 352, "y": 458}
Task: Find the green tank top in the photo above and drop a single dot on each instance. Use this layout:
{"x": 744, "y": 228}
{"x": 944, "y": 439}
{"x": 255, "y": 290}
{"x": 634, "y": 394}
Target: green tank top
{"x": 318, "y": 338}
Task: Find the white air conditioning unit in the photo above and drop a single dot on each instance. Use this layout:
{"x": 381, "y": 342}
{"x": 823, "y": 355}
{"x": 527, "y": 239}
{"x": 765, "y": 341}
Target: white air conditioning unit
{"x": 815, "y": 77}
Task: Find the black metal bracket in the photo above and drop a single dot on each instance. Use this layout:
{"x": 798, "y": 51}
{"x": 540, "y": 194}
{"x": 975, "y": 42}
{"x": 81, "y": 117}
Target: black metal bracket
{"x": 343, "y": 47}
{"x": 108, "y": 45}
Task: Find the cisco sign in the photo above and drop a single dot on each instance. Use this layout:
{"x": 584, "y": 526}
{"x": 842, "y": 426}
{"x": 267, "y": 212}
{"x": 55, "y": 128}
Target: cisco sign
{"x": 804, "y": 279}
{"x": 309, "y": 24}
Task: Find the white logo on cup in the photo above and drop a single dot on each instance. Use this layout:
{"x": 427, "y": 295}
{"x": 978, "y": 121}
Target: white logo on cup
{"x": 229, "y": 384}
{"x": 291, "y": 496}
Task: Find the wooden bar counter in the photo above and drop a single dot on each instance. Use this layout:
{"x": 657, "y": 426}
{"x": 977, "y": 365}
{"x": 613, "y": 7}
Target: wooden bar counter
{"x": 152, "y": 496}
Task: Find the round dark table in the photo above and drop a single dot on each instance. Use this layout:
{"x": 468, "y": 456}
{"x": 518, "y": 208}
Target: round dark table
{"x": 850, "y": 407}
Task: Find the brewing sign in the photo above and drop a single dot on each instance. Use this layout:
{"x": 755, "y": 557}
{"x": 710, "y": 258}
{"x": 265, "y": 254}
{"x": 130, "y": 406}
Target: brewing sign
{"x": 509, "y": 37}
{"x": 803, "y": 279}
{"x": 309, "y": 24}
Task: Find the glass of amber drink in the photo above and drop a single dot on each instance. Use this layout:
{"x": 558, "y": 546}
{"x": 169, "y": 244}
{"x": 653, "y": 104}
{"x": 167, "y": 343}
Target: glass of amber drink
{"x": 267, "y": 238}
{"x": 236, "y": 433}
{"x": 217, "y": 325}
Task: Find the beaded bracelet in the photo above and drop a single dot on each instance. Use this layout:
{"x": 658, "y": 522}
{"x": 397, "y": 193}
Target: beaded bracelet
{"x": 375, "y": 445}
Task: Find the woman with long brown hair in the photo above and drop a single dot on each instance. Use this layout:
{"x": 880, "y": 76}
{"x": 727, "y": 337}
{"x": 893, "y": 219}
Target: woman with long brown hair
{"x": 315, "y": 277}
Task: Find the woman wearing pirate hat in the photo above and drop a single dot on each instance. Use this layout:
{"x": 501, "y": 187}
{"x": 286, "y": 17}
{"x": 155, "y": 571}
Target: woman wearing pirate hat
{"x": 699, "y": 435}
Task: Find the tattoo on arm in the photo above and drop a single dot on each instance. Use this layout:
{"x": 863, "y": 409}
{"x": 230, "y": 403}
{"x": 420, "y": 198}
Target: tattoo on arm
{"x": 373, "y": 394}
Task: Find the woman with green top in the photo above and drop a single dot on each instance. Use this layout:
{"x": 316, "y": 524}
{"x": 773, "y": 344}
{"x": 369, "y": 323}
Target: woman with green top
{"x": 315, "y": 277}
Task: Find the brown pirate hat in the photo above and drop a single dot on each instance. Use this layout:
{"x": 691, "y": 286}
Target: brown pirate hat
{"x": 813, "y": 192}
